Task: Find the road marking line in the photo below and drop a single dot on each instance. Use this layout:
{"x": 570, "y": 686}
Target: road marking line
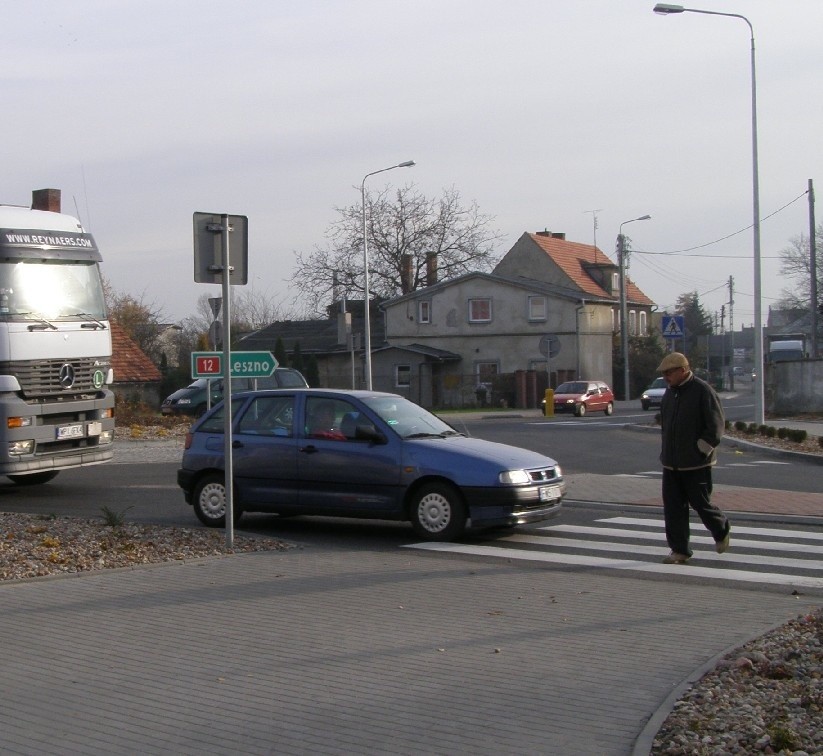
{"x": 633, "y": 548}
{"x": 622, "y": 564}
{"x": 738, "y": 543}
{"x": 770, "y": 532}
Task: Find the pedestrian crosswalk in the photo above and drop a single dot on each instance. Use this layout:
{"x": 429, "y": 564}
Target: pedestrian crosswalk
{"x": 775, "y": 556}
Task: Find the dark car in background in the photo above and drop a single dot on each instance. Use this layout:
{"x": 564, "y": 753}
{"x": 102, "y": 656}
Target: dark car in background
{"x": 581, "y": 397}
{"x": 192, "y": 400}
{"x": 653, "y": 395}
{"x": 362, "y": 454}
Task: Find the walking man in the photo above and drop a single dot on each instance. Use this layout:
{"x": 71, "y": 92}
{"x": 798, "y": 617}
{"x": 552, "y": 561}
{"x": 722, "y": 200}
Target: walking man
{"x": 692, "y": 421}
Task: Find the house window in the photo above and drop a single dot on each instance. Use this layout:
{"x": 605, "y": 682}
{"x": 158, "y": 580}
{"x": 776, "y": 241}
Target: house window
{"x": 632, "y": 323}
{"x": 537, "y": 308}
{"x": 424, "y": 311}
{"x": 402, "y": 376}
{"x": 480, "y": 310}
{"x": 486, "y": 371}
{"x": 615, "y": 282}
{"x": 643, "y": 324}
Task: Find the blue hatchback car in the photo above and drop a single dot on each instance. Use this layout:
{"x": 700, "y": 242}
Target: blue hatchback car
{"x": 362, "y": 454}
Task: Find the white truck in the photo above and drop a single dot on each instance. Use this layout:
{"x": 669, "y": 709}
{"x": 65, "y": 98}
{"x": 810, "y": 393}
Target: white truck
{"x": 784, "y": 348}
{"x": 56, "y": 405}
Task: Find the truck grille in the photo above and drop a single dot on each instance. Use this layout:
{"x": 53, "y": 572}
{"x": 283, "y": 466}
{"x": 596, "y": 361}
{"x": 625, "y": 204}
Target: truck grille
{"x": 40, "y": 378}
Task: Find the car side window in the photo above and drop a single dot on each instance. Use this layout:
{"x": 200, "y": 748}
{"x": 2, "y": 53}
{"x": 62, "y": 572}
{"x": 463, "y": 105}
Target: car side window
{"x": 214, "y": 423}
{"x": 324, "y": 416}
{"x": 268, "y": 416}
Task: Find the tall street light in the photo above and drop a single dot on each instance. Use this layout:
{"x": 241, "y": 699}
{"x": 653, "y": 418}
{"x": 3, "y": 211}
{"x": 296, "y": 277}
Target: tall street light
{"x": 624, "y": 325}
{"x": 666, "y": 9}
{"x": 367, "y": 325}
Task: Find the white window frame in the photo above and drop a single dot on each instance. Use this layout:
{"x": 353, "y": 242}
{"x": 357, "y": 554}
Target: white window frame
{"x": 478, "y": 301}
{"x": 424, "y": 311}
{"x": 538, "y": 308}
{"x": 644, "y": 326}
{"x": 632, "y": 322}
{"x": 398, "y": 369}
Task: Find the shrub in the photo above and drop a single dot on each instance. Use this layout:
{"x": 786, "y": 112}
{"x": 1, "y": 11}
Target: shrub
{"x": 771, "y": 431}
{"x": 820, "y": 440}
{"x": 798, "y": 436}
{"x": 740, "y": 426}
{"x": 763, "y": 430}
{"x": 751, "y": 428}
{"x": 782, "y": 432}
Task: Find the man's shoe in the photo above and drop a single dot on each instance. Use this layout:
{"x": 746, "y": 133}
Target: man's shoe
{"x": 675, "y": 558}
{"x": 722, "y": 546}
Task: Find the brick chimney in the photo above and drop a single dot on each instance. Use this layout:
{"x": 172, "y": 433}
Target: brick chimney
{"x": 46, "y": 199}
{"x": 431, "y": 268}
{"x": 552, "y": 234}
{"x": 406, "y": 281}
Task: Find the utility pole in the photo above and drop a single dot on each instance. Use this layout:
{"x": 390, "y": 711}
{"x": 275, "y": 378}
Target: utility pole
{"x": 813, "y": 270}
{"x": 723, "y": 347}
{"x": 731, "y": 328}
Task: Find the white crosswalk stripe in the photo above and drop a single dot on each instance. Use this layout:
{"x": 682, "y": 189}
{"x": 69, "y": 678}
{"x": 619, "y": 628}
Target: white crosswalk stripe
{"x": 776, "y": 556}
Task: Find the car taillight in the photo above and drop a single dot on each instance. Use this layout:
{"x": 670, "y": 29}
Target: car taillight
{"x": 189, "y": 439}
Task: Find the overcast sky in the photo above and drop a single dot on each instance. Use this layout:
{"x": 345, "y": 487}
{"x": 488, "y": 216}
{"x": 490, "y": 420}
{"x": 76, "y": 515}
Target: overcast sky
{"x": 146, "y": 111}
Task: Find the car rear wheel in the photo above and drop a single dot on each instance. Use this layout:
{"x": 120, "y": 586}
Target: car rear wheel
{"x": 581, "y": 410}
{"x": 609, "y": 408}
{"x": 437, "y": 512}
{"x": 210, "y": 501}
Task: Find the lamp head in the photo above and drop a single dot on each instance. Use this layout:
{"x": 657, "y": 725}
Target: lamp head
{"x": 664, "y": 9}
{"x": 406, "y": 164}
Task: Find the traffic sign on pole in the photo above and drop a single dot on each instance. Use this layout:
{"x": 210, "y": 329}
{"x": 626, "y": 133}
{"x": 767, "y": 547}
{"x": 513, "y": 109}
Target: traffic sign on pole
{"x": 243, "y": 364}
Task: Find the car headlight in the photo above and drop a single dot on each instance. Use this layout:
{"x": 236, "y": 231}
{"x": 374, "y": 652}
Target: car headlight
{"x": 645, "y": 396}
{"x": 514, "y": 478}
{"x": 569, "y": 401}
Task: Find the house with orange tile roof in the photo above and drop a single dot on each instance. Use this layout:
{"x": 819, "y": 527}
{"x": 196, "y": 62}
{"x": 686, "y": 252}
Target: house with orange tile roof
{"x": 546, "y": 294}
{"x": 136, "y": 377}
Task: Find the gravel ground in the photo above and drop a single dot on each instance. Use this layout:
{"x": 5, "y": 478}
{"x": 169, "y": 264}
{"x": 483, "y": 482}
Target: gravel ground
{"x": 35, "y": 545}
{"x": 766, "y": 697}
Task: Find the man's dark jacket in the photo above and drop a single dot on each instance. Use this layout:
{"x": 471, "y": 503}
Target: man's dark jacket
{"x": 692, "y": 421}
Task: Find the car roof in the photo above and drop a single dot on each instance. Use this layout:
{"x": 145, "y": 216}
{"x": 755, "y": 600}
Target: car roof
{"x": 329, "y": 392}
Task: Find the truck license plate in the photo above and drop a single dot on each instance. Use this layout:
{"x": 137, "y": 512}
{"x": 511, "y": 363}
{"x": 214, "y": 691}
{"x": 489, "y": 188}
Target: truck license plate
{"x": 75, "y": 430}
{"x": 547, "y": 493}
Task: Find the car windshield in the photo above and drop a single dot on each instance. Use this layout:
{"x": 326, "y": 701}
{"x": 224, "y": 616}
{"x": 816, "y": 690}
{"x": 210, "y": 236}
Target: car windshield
{"x": 658, "y": 383}
{"x": 409, "y": 420}
{"x": 573, "y": 387}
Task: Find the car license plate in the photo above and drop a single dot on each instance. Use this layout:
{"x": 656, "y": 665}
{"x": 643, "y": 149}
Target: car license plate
{"x": 547, "y": 493}
{"x": 70, "y": 431}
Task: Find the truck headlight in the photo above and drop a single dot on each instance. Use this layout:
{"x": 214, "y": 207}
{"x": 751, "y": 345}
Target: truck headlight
{"x": 21, "y": 447}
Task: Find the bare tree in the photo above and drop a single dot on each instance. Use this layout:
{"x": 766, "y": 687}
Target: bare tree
{"x": 795, "y": 264}
{"x": 140, "y": 319}
{"x": 407, "y": 232}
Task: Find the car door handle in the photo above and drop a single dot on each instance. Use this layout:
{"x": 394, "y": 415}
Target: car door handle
{"x": 310, "y": 449}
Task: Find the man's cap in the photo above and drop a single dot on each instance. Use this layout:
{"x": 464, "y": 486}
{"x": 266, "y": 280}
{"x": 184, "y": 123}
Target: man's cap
{"x": 673, "y": 360}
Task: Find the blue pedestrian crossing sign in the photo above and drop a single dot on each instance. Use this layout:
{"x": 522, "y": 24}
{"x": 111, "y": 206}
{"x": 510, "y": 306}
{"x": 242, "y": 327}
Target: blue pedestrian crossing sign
{"x": 672, "y": 326}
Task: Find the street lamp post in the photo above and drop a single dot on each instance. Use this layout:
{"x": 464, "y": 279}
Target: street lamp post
{"x": 667, "y": 9}
{"x": 624, "y": 325}
{"x": 367, "y": 324}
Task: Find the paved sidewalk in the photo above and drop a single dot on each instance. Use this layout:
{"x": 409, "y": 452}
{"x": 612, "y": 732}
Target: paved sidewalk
{"x": 337, "y": 652}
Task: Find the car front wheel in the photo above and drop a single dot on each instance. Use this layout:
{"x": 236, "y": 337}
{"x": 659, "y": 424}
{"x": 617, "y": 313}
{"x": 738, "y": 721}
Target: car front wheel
{"x": 210, "y": 501}
{"x": 581, "y": 410}
{"x": 645, "y": 406}
{"x": 437, "y": 512}
{"x": 34, "y": 479}
{"x": 609, "y": 408}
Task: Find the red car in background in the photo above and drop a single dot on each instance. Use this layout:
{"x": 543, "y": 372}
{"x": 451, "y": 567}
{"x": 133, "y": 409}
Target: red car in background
{"x": 581, "y": 397}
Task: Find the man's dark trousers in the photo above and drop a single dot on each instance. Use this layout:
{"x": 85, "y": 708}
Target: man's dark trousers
{"x": 684, "y": 487}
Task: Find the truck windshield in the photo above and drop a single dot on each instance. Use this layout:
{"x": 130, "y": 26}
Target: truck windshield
{"x": 50, "y": 289}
